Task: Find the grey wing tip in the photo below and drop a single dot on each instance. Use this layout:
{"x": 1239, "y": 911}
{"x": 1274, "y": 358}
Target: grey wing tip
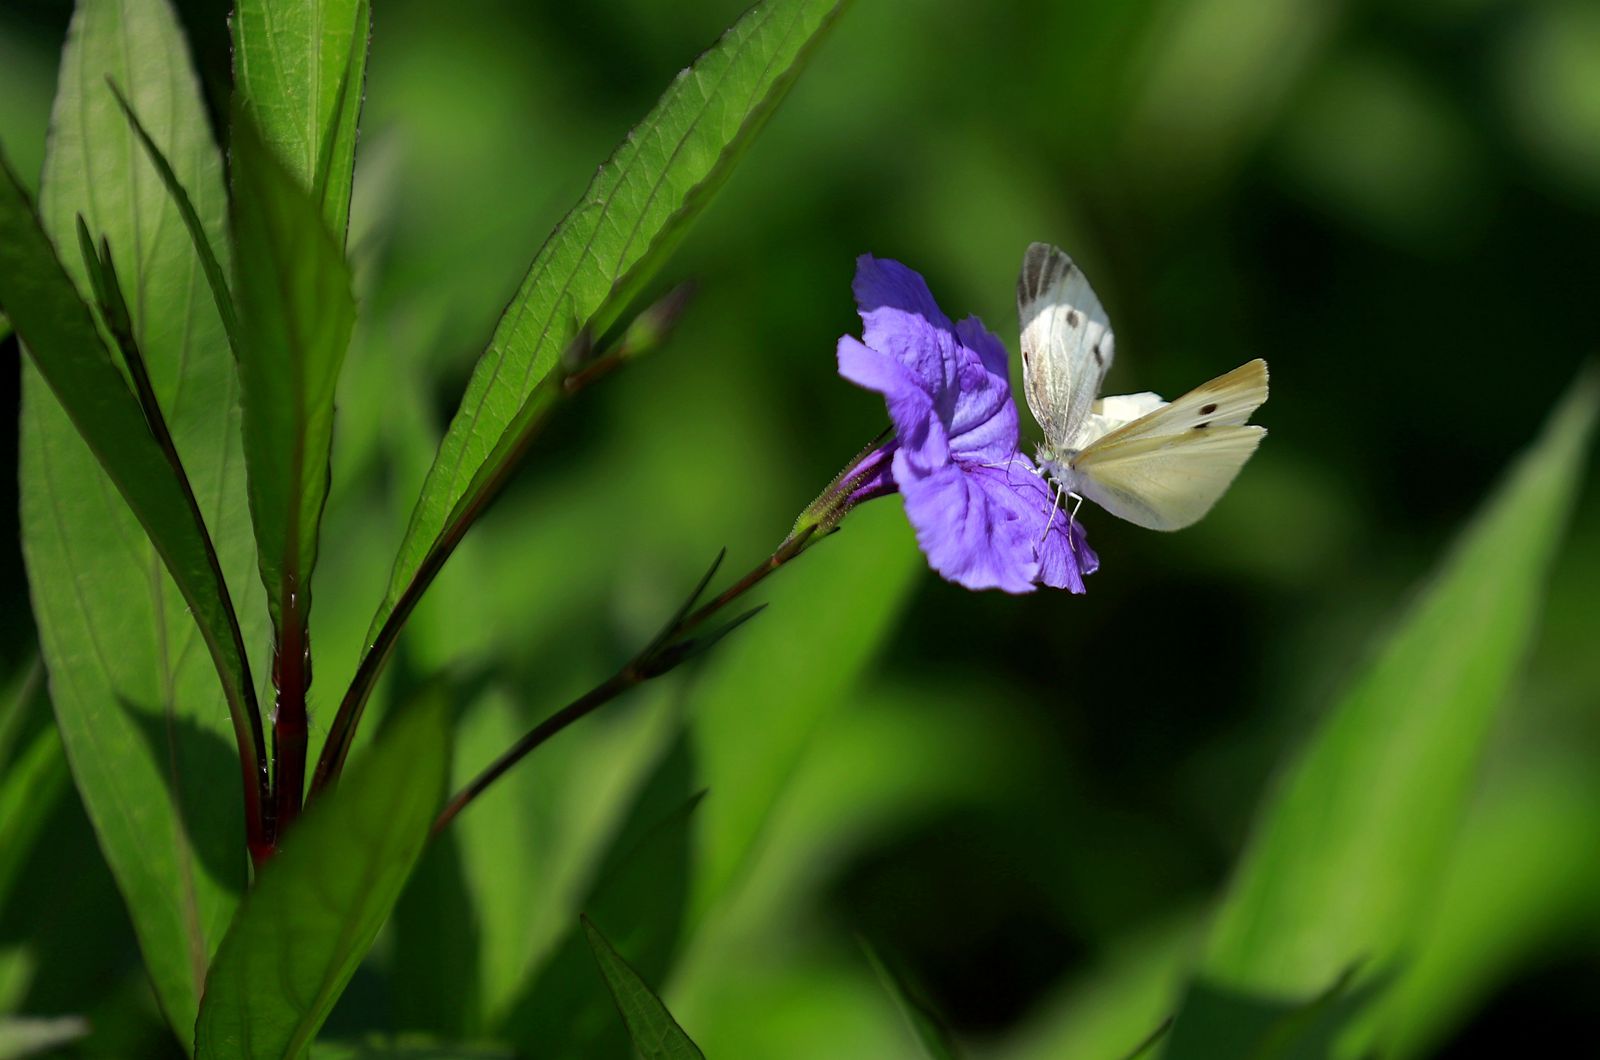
{"x": 1043, "y": 265}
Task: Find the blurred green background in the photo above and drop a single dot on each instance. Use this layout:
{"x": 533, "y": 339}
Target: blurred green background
{"x": 1026, "y": 804}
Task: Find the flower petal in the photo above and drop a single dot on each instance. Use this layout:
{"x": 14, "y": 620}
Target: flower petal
{"x": 901, "y": 319}
{"x": 1058, "y": 541}
{"x": 969, "y": 525}
{"x": 983, "y": 418}
{"x": 910, "y": 408}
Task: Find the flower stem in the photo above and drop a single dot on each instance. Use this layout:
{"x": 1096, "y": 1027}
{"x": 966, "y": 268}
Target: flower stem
{"x": 660, "y": 656}
{"x": 580, "y": 369}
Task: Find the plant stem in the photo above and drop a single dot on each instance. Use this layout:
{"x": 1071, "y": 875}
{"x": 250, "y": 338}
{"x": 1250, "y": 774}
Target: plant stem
{"x": 655, "y": 659}
{"x": 341, "y": 733}
{"x": 289, "y": 675}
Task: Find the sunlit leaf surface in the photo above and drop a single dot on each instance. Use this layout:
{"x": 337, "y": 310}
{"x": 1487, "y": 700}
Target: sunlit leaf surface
{"x": 138, "y": 701}
{"x": 318, "y": 905}
{"x": 607, "y": 246}
{"x": 1347, "y": 857}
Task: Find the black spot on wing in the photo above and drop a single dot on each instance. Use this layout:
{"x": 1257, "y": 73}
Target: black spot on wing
{"x": 1202, "y": 426}
{"x": 1208, "y": 409}
{"x": 1075, "y": 320}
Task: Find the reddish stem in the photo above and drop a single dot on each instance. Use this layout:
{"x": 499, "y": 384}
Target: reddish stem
{"x": 290, "y": 676}
{"x": 648, "y": 663}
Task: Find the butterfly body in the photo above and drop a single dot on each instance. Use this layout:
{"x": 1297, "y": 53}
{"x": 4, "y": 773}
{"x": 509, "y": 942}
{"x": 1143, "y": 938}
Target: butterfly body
{"x": 1155, "y": 463}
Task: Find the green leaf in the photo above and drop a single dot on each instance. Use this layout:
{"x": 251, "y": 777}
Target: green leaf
{"x": 5, "y": 327}
{"x": 67, "y": 350}
{"x": 17, "y": 705}
{"x": 1520, "y": 887}
{"x": 655, "y": 1033}
{"x": 318, "y": 905}
{"x": 918, "y": 1013}
{"x": 299, "y": 68}
{"x": 296, "y": 312}
{"x": 30, "y": 782}
{"x": 608, "y": 246}
{"x": 408, "y": 1047}
{"x": 136, "y": 695}
{"x": 1347, "y": 856}
{"x": 210, "y": 263}
{"x": 640, "y": 892}
{"x": 861, "y": 577}
{"x": 1218, "y": 1022}
{"x": 28, "y": 794}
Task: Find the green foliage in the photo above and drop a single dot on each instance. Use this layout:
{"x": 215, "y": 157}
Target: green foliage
{"x": 607, "y": 247}
{"x": 640, "y": 885}
{"x": 136, "y": 695}
{"x": 216, "y": 279}
{"x": 656, "y": 1035}
{"x": 296, "y": 311}
{"x": 317, "y": 906}
{"x": 1521, "y": 881}
{"x": 859, "y": 579}
{"x": 1347, "y": 857}
{"x": 70, "y": 356}
{"x": 919, "y": 1015}
{"x": 732, "y": 829}
{"x": 408, "y": 1047}
{"x": 299, "y": 74}
{"x": 32, "y": 775}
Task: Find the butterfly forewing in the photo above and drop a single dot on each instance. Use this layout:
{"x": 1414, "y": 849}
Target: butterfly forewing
{"x": 1067, "y": 344}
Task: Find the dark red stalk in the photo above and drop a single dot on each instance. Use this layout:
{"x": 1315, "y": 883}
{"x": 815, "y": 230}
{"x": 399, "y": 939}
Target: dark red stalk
{"x": 290, "y": 664}
{"x": 657, "y": 658}
{"x": 341, "y": 734}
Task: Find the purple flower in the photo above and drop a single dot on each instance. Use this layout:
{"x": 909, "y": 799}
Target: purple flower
{"x": 983, "y": 515}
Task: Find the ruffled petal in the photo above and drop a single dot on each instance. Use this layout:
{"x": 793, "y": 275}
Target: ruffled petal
{"x": 982, "y": 418}
{"x": 969, "y": 526}
{"x": 1060, "y": 546}
{"x": 910, "y": 408}
{"x": 901, "y": 319}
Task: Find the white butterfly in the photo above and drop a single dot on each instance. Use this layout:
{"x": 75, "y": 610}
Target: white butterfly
{"x": 1157, "y": 464}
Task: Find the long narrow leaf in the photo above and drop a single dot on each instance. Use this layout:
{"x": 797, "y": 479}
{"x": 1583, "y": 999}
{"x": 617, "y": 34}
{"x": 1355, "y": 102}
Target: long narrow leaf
{"x": 652, "y": 187}
{"x": 318, "y": 905}
{"x": 1348, "y": 855}
{"x": 69, "y": 354}
{"x": 299, "y": 70}
{"x": 655, "y": 1033}
{"x": 30, "y": 782}
{"x": 920, "y": 1016}
{"x": 136, "y": 695}
{"x": 205, "y": 253}
{"x": 297, "y": 312}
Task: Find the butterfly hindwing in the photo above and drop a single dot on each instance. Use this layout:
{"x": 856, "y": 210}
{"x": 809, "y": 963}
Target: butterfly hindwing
{"x": 1166, "y": 469}
{"x": 1067, "y": 344}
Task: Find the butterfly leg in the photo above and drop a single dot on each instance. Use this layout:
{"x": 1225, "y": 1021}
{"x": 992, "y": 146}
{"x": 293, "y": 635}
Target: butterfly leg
{"x": 1072, "y": 520}
{"x": 1055, "y": 506}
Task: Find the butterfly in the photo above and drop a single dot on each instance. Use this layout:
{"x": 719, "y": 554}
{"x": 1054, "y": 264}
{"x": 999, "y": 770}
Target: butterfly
{"x": 1155, "y": 463}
